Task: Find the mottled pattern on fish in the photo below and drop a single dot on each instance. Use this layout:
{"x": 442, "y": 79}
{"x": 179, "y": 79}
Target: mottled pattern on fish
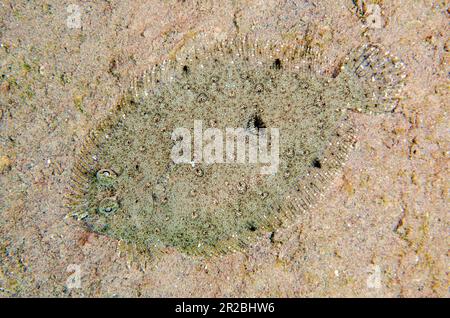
{"x": 126, "y": 186}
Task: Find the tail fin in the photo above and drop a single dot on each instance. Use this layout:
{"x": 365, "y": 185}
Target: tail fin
{"x": 376, "y": 79}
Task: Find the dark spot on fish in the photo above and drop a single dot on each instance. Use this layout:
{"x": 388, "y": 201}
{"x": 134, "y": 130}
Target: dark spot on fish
{"x": 277, "y": 64}
{"x": 316, "y": 163}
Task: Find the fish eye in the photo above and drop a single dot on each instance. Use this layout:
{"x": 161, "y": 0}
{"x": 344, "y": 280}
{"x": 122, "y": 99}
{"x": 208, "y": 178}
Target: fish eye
{"x": 106, "y": 177}
{"x": 108, "y": 206}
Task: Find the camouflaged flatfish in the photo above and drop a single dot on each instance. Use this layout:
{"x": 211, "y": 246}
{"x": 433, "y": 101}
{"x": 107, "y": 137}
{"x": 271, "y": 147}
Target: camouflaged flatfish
{"x": 126, "y": 186}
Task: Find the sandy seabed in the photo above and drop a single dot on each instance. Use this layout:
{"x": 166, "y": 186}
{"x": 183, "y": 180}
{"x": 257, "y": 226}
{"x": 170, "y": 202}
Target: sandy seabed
{"x": 381, "y": 229}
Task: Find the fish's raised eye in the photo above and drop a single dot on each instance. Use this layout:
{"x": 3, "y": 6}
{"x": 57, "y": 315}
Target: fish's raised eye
{"x": 106, "y": 177}
{"x": 259, "y": 88}
{"x": 108, "y": 206}
{"x": 202, "y": 97}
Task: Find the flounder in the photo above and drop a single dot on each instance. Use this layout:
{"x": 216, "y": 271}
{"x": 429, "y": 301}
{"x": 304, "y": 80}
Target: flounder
{"x": 127, "y": 186}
